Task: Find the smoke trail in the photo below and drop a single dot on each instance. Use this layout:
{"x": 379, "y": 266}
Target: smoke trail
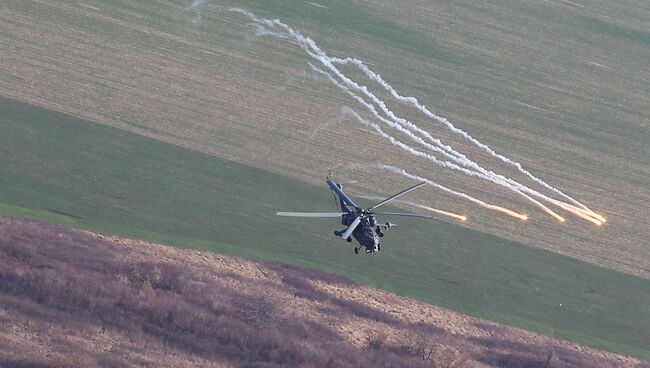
{"x": 417, "y": 153}
{"x": 312, "y": 49}
{"x": 374, "y": 111}
{"x": 408, "y": 175}
{"x": 480, "y": 171}
{"x": 415, "y": 103}
{"x": 198, "y": 6}
{"x": 431, "y": 158}
{"x": 460, "y": 158}
{"x": 315, "y": 52}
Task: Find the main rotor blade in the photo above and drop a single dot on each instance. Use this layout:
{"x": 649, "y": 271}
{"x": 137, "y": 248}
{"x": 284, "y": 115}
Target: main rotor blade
{"x": 310, "y": 214}
{"x": 340, "y": 193}
{"x": 405, "y": 214}
{"x": 351, "y": 228}
{"x": 416, "y": 186}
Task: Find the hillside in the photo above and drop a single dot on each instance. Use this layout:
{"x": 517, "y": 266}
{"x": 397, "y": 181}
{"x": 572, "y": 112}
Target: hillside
{"x": 188, "y": 123}
{"x": 71, "y": 298}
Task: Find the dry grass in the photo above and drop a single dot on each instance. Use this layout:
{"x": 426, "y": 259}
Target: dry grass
{"x": 71, "y": 298}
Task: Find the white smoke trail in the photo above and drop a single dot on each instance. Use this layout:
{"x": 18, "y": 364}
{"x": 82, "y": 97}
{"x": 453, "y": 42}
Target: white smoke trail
{"x": 454, "y": 155}
{"x": 315, "y": 52}
{"x": 447, "y": 164}
{"x": 374, "y": 111}
{"x": 415, "y": 103}
{"x": 480, "y": 174}
{"x": 198, "y": 6}
{"x": 312, "y": 49}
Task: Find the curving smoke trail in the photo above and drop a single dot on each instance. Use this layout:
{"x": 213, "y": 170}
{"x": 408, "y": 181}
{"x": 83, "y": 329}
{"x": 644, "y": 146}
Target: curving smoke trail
{"x": 278, "y": 29}
{"x": 415, "y": 103}
{"x": 394, "y": 141}
{"x": 480, "y": 173}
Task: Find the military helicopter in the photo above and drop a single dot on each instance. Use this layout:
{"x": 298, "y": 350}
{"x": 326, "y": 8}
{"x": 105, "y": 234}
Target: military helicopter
{"x": 361, "y": 222}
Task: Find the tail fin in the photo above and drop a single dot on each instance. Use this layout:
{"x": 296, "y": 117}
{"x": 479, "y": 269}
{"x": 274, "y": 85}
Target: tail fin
{"x": 345, "y": 202}
{"x": 344, "y": 207}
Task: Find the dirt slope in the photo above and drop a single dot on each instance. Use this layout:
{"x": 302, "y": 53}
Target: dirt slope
{"x": 72, "y": 298}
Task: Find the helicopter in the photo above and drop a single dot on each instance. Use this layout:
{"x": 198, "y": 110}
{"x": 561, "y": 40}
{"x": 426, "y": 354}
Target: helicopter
{"x": 361, "y": 223}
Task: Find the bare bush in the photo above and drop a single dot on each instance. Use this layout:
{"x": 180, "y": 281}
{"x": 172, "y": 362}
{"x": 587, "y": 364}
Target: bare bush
{"x": 419, "y": 343}
{"x": 260, "y": 308}
{"x": 376, "y": 339}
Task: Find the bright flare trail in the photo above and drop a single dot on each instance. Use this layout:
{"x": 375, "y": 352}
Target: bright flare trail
{"x": 421, "y": 206}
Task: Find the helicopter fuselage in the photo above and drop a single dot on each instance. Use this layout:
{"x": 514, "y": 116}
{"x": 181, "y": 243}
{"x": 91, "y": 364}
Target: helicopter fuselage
{"x": 366, "y": 233}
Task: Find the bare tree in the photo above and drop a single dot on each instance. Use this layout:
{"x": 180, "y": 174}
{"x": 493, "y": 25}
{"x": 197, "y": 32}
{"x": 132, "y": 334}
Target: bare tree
{"x": 420, "y": 344}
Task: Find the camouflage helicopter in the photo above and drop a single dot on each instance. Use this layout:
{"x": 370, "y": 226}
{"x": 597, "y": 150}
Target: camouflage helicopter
{"x": 361, "y": 223}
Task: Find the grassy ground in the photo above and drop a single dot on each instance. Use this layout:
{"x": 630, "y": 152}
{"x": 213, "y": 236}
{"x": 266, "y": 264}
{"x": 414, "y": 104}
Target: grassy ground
{"x": 74, "y": 172}
{"x": 556, "y": 85}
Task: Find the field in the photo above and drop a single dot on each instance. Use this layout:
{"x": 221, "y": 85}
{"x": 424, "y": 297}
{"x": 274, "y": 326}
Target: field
{"x": 560, "y": 86}
{"x": 160, "y": 192}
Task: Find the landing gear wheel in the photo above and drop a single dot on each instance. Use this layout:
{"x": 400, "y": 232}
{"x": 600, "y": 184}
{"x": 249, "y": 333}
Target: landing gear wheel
{"x": 349, "y": 240}
{"x": 356, "y": 250}
{"x": 378, "y": 247}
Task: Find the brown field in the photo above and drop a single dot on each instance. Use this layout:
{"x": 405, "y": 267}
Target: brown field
{"x": 71, "y": 298}
{"x": 571, "y": 105}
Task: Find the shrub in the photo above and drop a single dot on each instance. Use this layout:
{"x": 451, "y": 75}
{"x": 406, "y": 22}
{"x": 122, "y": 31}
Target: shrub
{"x": 376, "y": 339}
{"x": 260, "y": 308}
